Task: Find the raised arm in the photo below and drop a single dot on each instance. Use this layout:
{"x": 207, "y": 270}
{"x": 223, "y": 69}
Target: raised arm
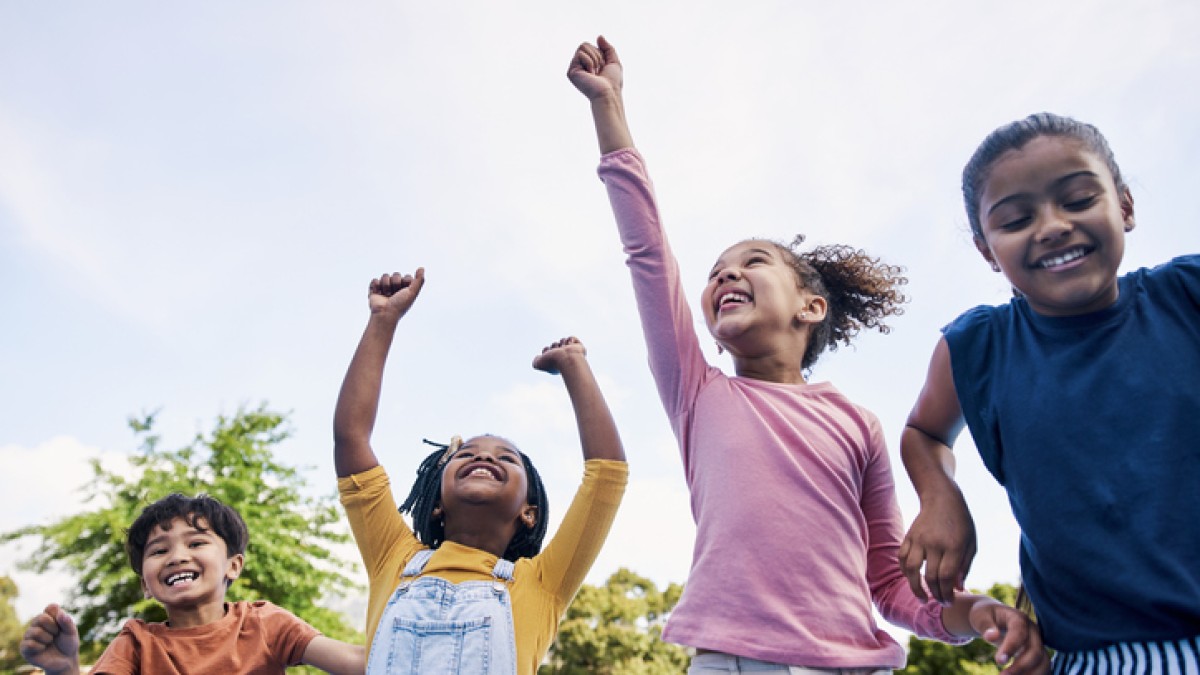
{"x": 597, "y": 73}
{"x": 597, "y": 431}
{"x": 389, "y": 298}
{"x": 943, "y": 534}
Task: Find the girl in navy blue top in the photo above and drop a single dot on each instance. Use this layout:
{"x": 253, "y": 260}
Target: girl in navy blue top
{"x": 1082, "y": 395}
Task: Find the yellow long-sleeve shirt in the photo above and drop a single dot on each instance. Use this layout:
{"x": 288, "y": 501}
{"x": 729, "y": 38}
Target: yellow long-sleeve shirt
{"x": 542, "y": 587}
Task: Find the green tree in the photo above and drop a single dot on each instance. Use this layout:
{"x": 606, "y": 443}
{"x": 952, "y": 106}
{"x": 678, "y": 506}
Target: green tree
{"x": 11, "y": 629}
{"x": 616, "y": 629}
{"x": 929, "y": 657}
{"x": 288, "y": 561}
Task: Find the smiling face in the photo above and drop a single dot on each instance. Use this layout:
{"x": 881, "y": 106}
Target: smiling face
{"x": 187, "y": 566}
{"x": 487, "y": 470}
{"x": 1054, "y": 222}
{"x": 752, "y": 292}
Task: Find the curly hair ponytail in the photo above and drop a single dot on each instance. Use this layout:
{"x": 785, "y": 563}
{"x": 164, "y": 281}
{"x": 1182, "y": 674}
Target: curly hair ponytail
{"x": 860, "y": 289}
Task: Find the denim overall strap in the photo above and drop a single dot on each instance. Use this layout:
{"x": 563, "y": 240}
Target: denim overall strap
{"x": 417, "y": 563}
{"x": 433, "y": 627}
{"x": 503, "y": 569}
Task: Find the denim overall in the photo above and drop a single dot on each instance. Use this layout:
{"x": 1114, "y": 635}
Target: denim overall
{"x": 433, "y": 627}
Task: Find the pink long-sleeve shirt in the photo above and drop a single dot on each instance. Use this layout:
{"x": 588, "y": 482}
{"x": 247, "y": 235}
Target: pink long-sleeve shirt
{"x": 797, "y": 524}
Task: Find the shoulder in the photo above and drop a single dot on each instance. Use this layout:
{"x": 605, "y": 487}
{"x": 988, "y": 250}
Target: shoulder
{"x": 977, "y": 318}
{"x": 263, "y": 610}
{"x": 1181, "y": 275}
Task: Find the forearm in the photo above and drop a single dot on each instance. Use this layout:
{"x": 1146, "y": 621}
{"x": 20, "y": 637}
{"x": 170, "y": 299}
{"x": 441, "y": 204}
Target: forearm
{"x": 929, "y": 462}
{"x": 597, "y": 431}
{"x": 612, "y": 129}
{"x": 358, "y": 400}
{"x": 335, "y": 656}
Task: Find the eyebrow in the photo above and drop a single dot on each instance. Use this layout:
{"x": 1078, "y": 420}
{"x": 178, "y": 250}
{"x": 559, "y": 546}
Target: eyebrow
{"x": 194, "y": 531}
{"x": 503, "y": 448}
{"x": 749, "y": 250}
{"x": 1056, "y": 183}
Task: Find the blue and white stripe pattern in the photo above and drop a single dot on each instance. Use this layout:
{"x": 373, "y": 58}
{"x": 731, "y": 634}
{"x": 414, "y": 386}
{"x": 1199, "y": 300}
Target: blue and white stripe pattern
{"x": 1178, "y": 657}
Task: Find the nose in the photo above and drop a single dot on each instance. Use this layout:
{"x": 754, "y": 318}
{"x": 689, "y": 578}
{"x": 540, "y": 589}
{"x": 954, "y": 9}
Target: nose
{"x": 1054, "y": 225}
{"x": 179, "y": 554}
{"x": 729, "y": 274}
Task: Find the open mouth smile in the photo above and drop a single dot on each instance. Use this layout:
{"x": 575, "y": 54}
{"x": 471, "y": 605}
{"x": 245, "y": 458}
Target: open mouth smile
{"x": 1063, "y": 258}
{"x": 731, "y": 298}
{"x": 482, "y": 470}
{"x": 181, "y": 577}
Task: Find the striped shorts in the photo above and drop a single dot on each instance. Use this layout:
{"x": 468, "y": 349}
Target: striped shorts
{"x": 1177, "y": 657}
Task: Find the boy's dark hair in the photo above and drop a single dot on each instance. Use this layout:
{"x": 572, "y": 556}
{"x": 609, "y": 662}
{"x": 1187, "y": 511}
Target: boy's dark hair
{"x": 427, "y": 491}
{"x": 860, "y": 290}
{"x": 222, "y": 520}
{"x": 1014, "y": 136}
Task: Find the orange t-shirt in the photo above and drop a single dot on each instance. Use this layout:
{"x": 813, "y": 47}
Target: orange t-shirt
{"x": 253, "y": 638}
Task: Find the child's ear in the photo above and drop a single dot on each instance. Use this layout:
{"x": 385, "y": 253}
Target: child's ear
{"x": 145, "y": 588}
{"x": 529, "y": 516}
{"x": 1127, "y": 209}
{"x": 814, "y": 310}
{"x": 986, "y": 252}
{"x": 234, "y": 568}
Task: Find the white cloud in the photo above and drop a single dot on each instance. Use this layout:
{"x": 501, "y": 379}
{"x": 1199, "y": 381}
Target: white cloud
{"x": 46, "y": 480}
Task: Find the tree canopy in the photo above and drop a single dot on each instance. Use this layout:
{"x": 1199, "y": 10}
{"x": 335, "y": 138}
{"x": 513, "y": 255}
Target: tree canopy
{"x": 289, "y": 560}
{"x": 10, "y": 627}
{"x": 616, "y": 629}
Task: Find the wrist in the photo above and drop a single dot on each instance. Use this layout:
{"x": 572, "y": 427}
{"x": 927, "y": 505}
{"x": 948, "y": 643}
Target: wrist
{"x": 939, "y": 490}
{"x": 383, "y": 317}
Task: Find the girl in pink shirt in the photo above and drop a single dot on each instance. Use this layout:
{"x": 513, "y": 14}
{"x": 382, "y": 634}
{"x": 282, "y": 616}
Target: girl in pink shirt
{"x": 791, "y": 488}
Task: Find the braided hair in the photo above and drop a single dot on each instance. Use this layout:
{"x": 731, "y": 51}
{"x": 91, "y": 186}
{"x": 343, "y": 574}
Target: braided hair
{"x": 861, "y": 291}
{"x": 426, "y": 495}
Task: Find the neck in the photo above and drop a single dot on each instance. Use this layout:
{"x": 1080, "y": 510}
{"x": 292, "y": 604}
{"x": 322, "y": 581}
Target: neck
{"x": 480, "y": 532}
{"x": 770, "y": 360}
{"x": 195, "y": 615}
{"x": 769, "y": 369}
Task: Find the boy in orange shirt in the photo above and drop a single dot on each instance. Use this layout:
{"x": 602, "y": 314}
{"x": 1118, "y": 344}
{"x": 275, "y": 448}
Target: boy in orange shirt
{"x": 187, "y": 552}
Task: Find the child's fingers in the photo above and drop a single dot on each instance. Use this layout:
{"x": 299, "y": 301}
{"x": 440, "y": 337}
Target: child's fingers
{"x": 911, "y": 557}
{"x": 944, "y": 579}
{"x": 65, "y": 623}
{"x": 607, "y": 50}
{"x": 941, "y": 587}
{"x": 417, "y": 281}
{"x": 1018, "y": 644}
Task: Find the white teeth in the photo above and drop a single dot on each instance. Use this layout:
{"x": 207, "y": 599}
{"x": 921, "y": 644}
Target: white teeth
{"x": 733, "y": 297}
{"x": 481, "y": 472}
{"x": 1062, "y": 259}
{"x": 176, "y": 578}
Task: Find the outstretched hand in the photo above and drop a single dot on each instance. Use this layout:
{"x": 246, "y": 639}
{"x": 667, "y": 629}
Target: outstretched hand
{"x": 943, "y": 538}
{"x": 393, "y": 294}
{"x": 1018, "y": 640}
{"x": 595, "y": 69}
{"x": 554, "y": 356}
{"x": 52, "y": 641}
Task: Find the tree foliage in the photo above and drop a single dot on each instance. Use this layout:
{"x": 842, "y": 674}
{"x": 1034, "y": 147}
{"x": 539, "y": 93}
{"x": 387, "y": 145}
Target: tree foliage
{"x": 616, "y": 629}
{"x": 929, "y": 657}
{"x": 288, "y": 561}
{"x": 10, "y": 627}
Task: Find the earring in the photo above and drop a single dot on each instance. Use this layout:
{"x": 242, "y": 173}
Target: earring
{"x": 720, "y": 348}
{"x": 995, "y": 267}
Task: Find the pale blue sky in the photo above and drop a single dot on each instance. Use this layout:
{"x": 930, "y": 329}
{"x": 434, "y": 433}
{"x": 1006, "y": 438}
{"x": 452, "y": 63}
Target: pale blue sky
{"x": 193, "y": 197}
